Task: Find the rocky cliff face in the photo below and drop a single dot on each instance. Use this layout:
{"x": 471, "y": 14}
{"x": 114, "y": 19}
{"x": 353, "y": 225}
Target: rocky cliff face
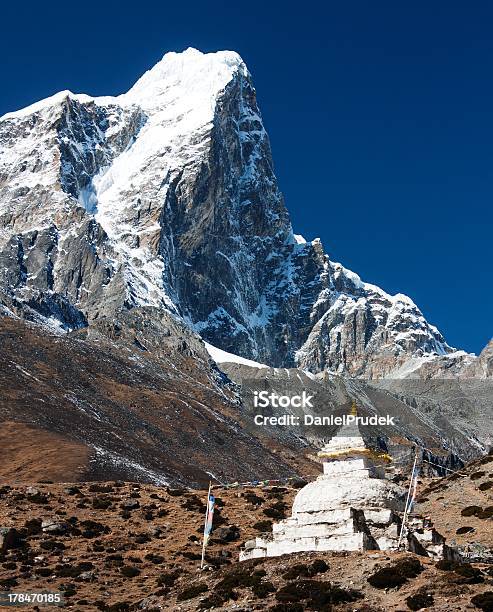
{"x": 166, "y": 196}
{"x": 482, "y": 367}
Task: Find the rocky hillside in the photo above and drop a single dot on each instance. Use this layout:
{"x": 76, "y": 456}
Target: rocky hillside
{"x": 166, "y": 196}
{"x": 120, "y": 546}
{"x": 449, "y": 419}
{"x": 137, "y": 399}
{"x": 462, "y": 507}
{"x": 137, "y": 396}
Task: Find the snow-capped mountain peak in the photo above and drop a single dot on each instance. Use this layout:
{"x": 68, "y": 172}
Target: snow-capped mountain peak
{"x": 166, "y": 196}
{"x": 191, "y": 79}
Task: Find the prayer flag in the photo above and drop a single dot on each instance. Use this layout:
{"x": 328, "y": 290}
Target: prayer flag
{"x": 208, "y": 517}
{"x": 209, "y": 514}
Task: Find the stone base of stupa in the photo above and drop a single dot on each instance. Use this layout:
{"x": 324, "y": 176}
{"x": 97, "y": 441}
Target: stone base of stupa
{"x": 350, "y": 530}
{"x": 342, "y": 529}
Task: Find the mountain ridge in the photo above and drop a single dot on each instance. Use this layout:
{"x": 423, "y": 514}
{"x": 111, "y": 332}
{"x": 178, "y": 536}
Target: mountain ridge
{"x": 166, "y": 196}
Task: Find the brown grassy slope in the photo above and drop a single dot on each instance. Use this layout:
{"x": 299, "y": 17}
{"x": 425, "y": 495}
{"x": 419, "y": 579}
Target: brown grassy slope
{"x": 22, "y": 446}
{"x": 144, "y": 417}
{"x": 448, "y": 499}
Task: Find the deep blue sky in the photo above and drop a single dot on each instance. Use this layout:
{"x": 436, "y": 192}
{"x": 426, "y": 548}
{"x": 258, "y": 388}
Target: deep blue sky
{"x": 380, "y": 116}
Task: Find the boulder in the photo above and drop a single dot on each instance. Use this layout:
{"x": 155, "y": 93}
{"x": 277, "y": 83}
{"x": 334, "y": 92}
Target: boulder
{"x": 227, "y": 534}
{"x": 54, "y": 527}
{"x": 10, "y": 538}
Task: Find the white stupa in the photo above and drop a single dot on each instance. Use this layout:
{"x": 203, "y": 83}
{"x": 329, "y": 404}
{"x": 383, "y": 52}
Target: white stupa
{"x": 351, "y": 506}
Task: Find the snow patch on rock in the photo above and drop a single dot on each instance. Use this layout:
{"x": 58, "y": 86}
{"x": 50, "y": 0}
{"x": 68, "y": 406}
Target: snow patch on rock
{"x": 220, "y": 356}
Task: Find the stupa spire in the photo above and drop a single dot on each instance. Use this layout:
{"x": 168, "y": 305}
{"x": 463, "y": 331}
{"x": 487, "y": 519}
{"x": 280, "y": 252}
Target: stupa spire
{"x": 348, "y": 440}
